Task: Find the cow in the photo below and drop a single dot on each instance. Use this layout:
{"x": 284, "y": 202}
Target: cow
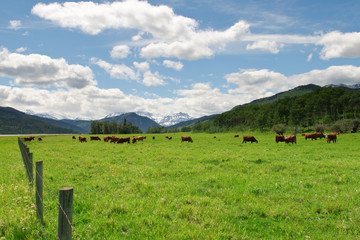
{"x": 186, "y": 139}
{"x": 169, "y": 138}
{"x": 249, "y": 139}
{"x": 141, "y": 138}
{"x": 82, "y": 139}
{"x": 124, "y": 139}
{"x": 331, "y": 137}
{"x": 73, "y": 137}
{"x": 106, "y": 138}
{"x": 29, "y": 138}
{"x": 153, "y": 137}
{"x": 315, "y": 135}
{"x": 39, "y": 139}
{"x": 166, "y": 136}
{"x": 279, "y": 138}
{"x": 134, "y": 139}
{"x": 114, "y": 139}
{"x": 291, "y": 138}
{"x": 95, "y": 138}
{"x": 237, "y": 135}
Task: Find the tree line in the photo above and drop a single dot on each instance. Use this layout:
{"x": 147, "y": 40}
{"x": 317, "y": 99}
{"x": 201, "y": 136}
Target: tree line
{"x": 329, "y": 106}
{"x": 105, "y": 127}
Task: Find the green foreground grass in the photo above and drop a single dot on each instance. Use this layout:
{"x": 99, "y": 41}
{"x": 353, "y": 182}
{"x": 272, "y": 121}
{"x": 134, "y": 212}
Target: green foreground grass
{"x": 213, "y": 188}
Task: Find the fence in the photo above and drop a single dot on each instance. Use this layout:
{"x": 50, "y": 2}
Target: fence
{"x": 65, "y": 200}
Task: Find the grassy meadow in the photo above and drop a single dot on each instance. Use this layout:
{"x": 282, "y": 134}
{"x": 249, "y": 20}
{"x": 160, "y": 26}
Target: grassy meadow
{"x": 213, "y": 188}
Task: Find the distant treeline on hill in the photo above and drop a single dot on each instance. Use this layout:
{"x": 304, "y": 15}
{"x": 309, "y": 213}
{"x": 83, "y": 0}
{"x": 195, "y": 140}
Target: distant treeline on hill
{"x": 326, "y": 105}
{"x": 105, "y": 127}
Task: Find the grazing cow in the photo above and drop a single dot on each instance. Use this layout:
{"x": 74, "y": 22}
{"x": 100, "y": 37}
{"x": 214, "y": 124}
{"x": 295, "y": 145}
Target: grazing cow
{"x": 214, "y": 136}
{"x": 95, "y": 138}
{"x": 29, "y": 138}
{"x": 166, "y": 136}
{"x": 141, "y": 138}
{"x": 124, "y": 139}
{"x": 186, "y": 139}
{"x": 82, "y": 139}
{"x": 134, "y": 139}
{"x": 114, "y": 139}
{"x": 331, "y": 137}
{"x": 169, "y": 138}
{"x": 291, "y": 138}
{"x": 237, "y": 135}
{"x": 106, "y": 138}
{"x": 153, "y": 137}
{"x": 39, "y": 139}
{"x": 315, "y": 135}
{"x": 279, "y": 138}
{"x": 249, "y": 139}
{"x": 73, "y": 137}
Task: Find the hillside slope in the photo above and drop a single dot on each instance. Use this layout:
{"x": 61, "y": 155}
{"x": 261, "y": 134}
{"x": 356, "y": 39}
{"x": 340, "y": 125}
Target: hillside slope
{"x": 13, "y": 121}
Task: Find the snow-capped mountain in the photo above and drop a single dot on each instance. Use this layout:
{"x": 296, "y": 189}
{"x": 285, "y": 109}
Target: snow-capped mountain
{"x": 43, "y": 115}
{"x": 164, "y": 120}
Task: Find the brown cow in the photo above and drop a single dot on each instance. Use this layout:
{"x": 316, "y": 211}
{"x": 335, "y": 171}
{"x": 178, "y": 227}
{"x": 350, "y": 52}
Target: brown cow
{"x": 39, "y": 139}
{"x": 29, "y": 138}
{"x": 315, "y": 135}
{"x": 279, "y": 138}
{"x": 124, "y": 139}
{"x": 331, "y": 137}
{"x": 291, "y": 138}
{"x": 186, "y": 139}
{"x": 73, "y": 137}
{"x": 95, "y": 138}
{"x": 134, "y": 139}
{"x": 114, "y": 139}
{"x": 249, "y": 139}
{"x": 237, "y": 135}
{"x": 82, "y": 139}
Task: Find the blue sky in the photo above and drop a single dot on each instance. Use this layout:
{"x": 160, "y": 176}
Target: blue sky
{"x": 86, "y": 59}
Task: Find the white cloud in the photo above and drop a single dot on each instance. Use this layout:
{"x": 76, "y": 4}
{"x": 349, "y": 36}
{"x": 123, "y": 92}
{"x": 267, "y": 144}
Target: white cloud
{"x": 260, "y": 82}
{"x": 266, "y": 45}
{"x": 153, "y": 79}
{"x": 309, "y": 57}
{"x": 178, "y": 66}
{"x": 173, "y": 35}
{"x": 120, "y": 51}
{"x": 14, "y": 24}
{"x": 21, "y": 49}
{"x": 118, "y": 71}
{"x": 346, "y": 74}
{"x": 141, "y": 73}
{"x": 43, "y": 71}
{"x": 337, "y": 44}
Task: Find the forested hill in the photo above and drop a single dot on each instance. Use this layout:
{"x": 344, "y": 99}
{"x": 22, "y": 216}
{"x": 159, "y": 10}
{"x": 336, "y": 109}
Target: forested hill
{"x": 323, "y": 105}
{"x": 13, "y": 121}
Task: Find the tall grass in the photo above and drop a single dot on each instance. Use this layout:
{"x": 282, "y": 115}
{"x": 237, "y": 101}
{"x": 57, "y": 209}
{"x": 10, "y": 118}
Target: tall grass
{"x": 214, "y": 188}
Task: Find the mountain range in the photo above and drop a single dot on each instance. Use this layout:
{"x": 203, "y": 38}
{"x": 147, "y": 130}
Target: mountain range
{"x": 13, "y": 121}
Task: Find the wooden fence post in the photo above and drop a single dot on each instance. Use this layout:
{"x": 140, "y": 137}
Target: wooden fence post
{"x": 65, "y": 213}
{"x": 39, "y": 190}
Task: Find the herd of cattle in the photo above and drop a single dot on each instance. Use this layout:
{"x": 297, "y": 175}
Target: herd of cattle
{"x": 331, "y": 137}
{"x": 115, "y": 139}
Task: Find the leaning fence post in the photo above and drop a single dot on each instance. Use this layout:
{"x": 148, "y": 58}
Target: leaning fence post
{"x": 31, "y": 168}
{"x": 65, "y": 213}
{"x": 39, "y": 189}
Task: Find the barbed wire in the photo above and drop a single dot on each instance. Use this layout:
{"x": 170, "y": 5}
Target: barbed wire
{"x": 26, "y": 162}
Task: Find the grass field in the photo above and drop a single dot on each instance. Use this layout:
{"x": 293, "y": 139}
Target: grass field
{"x": 213, "y": 188}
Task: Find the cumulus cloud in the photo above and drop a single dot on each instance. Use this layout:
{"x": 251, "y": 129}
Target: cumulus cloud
{"x": 118, "y": 71}
{"x": 265, "y": 45}
{"x": 178, "y": 66}
{"x": 140, "y": 73}
{"x": 261, "y": 82}
{"x": 43, "y": 71}
{"x": 346, "y": 74}
{"x": 120, "y": 51}
{"x": 173, "y": 35}
{"x": 337, "y": 44}
{"x": 21, "y": 49}
{"x": 14, "y": 24}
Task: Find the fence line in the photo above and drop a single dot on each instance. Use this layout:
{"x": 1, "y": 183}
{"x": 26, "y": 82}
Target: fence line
{"x": 65, "y": 202}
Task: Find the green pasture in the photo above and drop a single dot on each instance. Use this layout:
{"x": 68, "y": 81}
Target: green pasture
{"x": 213, "y": 188}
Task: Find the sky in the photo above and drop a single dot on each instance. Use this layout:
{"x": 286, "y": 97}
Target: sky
{"x": 87, "y": 59}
